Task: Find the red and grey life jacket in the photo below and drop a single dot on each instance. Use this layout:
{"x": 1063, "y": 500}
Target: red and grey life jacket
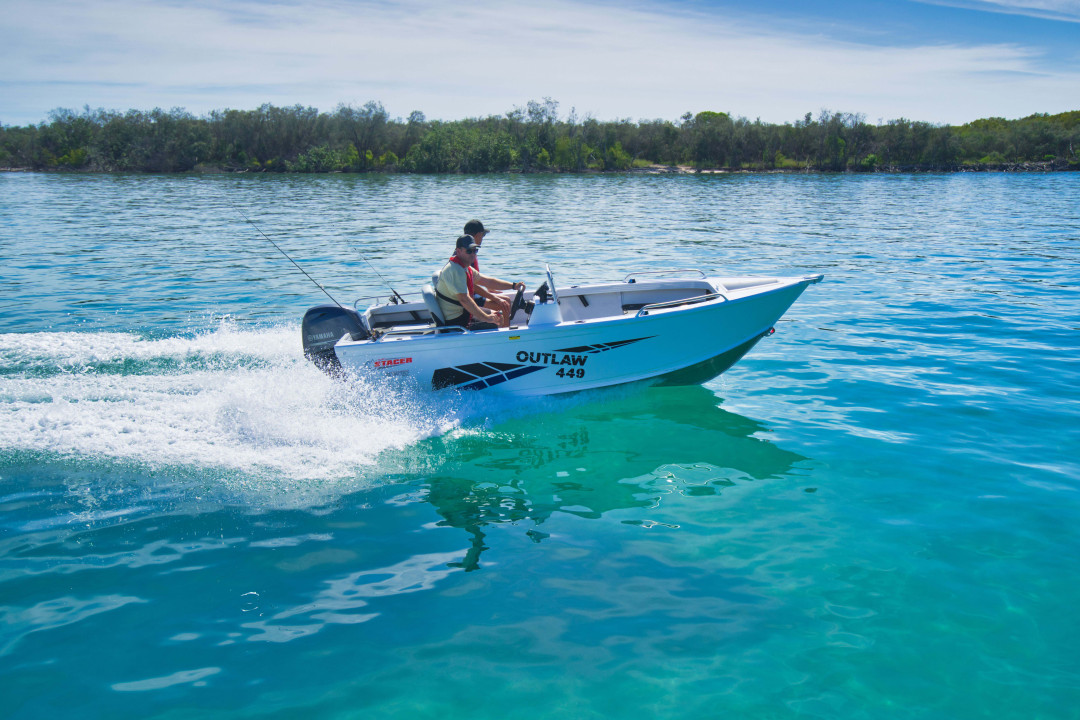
{"x": 468, "y": 283}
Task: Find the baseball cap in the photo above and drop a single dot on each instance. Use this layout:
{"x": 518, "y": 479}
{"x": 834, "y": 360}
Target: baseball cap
{"x": 475, "y": 226}
{"x": 466, "y": 241}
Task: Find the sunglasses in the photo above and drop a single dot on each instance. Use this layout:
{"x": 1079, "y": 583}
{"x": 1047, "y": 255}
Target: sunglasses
{"x": 473, "y": 251}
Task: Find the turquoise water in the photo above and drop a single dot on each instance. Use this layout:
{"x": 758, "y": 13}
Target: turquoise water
{"x": 875, "y": 514}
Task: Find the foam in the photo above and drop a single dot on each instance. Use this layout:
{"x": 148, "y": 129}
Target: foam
{"x": 238, "y": 399}
{"x": 82, "y": 348}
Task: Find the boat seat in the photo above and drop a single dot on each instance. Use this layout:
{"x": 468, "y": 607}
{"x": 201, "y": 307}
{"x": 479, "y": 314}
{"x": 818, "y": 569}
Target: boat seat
{"x": 432, "y": 303}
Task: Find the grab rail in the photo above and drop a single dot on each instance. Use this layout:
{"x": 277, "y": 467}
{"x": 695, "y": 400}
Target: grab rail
{"x": 421, "y": 330}
{"x": 675, "y": 303}
{"x": 377, "y": 298}
{"x": 664, "y": 272}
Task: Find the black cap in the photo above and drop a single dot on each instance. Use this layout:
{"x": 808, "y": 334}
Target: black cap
{"x": 467, "y": 242}
{"x": 474, "y": 226}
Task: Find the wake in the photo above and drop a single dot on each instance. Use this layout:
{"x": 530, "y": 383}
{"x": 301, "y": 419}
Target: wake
{"x": 235, "y": 399}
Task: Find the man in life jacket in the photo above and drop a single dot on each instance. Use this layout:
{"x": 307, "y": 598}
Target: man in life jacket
{"x": 457, "y": 283}
{"x": 478, "y": 232}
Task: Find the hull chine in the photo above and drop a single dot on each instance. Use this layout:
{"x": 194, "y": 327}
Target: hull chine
{"x": 705, "y": 371}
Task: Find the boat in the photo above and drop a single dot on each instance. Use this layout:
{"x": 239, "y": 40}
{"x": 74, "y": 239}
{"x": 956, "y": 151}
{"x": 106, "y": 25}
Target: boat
{"x": 665, "y": 326}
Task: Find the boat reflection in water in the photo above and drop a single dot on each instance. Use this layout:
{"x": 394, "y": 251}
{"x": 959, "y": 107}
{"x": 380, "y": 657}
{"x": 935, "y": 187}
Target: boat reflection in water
{"x": 618, "y": 450}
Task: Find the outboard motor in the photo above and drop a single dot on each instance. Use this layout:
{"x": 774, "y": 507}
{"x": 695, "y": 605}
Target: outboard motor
{"x": 323, "y": 326}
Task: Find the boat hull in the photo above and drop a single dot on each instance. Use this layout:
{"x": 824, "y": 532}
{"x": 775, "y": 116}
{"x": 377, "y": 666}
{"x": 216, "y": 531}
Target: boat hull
{"x": 688, "y": 344}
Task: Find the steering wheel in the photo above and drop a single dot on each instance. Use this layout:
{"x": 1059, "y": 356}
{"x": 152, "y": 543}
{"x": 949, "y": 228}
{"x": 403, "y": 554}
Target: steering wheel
{"x": 519, "y": 302}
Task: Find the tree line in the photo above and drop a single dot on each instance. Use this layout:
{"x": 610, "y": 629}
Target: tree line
{"x": 530, "y": 139}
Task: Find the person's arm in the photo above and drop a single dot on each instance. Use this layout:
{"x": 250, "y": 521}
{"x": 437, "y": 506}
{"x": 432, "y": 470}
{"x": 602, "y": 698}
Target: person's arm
{"x": 475, "y": 310}
{"x": 492, "y": 283}
{"x": 501, "y": 303}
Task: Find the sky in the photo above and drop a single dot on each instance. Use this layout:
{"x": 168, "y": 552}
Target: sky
{"x": 939, "y": 61}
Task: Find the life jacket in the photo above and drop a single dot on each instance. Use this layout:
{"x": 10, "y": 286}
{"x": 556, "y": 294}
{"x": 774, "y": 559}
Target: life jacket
{"x": 468, "y": 284}
{"x": 468, "y": 271}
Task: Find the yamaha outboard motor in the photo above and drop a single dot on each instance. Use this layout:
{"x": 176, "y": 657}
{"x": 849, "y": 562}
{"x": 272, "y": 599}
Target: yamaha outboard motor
{"x": 323, "y": 326}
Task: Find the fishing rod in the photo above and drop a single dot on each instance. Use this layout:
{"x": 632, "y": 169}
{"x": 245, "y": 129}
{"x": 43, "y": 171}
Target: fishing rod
{"x": 400, "y": 300}
{"x": 289, "y": 258}
{"x": 395, "y": 297}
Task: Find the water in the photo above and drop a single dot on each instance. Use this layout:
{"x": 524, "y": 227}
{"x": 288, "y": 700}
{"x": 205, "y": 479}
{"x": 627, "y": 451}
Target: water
{"x": 875, "y": 514}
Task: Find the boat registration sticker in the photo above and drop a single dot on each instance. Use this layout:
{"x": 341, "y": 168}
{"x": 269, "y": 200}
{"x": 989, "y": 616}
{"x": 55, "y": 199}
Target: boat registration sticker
{"x": 514, "y": 337}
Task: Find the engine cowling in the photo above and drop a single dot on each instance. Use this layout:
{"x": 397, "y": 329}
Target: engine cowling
{"x": 323, "y": 326}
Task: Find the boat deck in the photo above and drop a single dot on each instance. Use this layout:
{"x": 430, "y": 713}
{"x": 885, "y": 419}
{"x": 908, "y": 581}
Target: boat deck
{"x": 580, "y": 303}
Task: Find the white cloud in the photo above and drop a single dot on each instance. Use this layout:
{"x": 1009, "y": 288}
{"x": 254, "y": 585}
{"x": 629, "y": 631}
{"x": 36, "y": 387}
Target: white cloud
{"x": 1066, "y": 10}
{"x": 453, "y": 61}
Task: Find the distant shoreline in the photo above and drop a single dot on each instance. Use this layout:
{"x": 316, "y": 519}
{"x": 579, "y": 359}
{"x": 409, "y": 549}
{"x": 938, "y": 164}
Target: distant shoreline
{"x": 1020, "y": 167}
{"x": 534, "y": 139}
{"x": 1023, "y": 167}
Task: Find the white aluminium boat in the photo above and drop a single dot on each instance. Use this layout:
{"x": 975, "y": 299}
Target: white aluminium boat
{"x": 680, "y": 327}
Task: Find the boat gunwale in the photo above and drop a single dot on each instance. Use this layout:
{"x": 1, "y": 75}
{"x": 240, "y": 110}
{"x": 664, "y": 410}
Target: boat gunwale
{"x": 429, "y": 332}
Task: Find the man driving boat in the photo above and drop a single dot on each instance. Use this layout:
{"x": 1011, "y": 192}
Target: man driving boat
{"x": 458, "y": 281}
{"x": 478, "y": 232}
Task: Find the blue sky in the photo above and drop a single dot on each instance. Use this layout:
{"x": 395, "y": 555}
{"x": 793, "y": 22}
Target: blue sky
{"x": 942, "y": 61}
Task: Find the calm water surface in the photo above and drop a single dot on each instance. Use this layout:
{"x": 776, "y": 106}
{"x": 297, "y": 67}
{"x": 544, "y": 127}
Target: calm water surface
{"x": 875, "y": 514}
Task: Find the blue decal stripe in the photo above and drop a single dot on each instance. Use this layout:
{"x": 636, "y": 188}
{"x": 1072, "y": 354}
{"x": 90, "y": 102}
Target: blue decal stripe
{"x": 523, "y": 371}
{"x": 474, "y": 383}
{"x": 602, "y": 347}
